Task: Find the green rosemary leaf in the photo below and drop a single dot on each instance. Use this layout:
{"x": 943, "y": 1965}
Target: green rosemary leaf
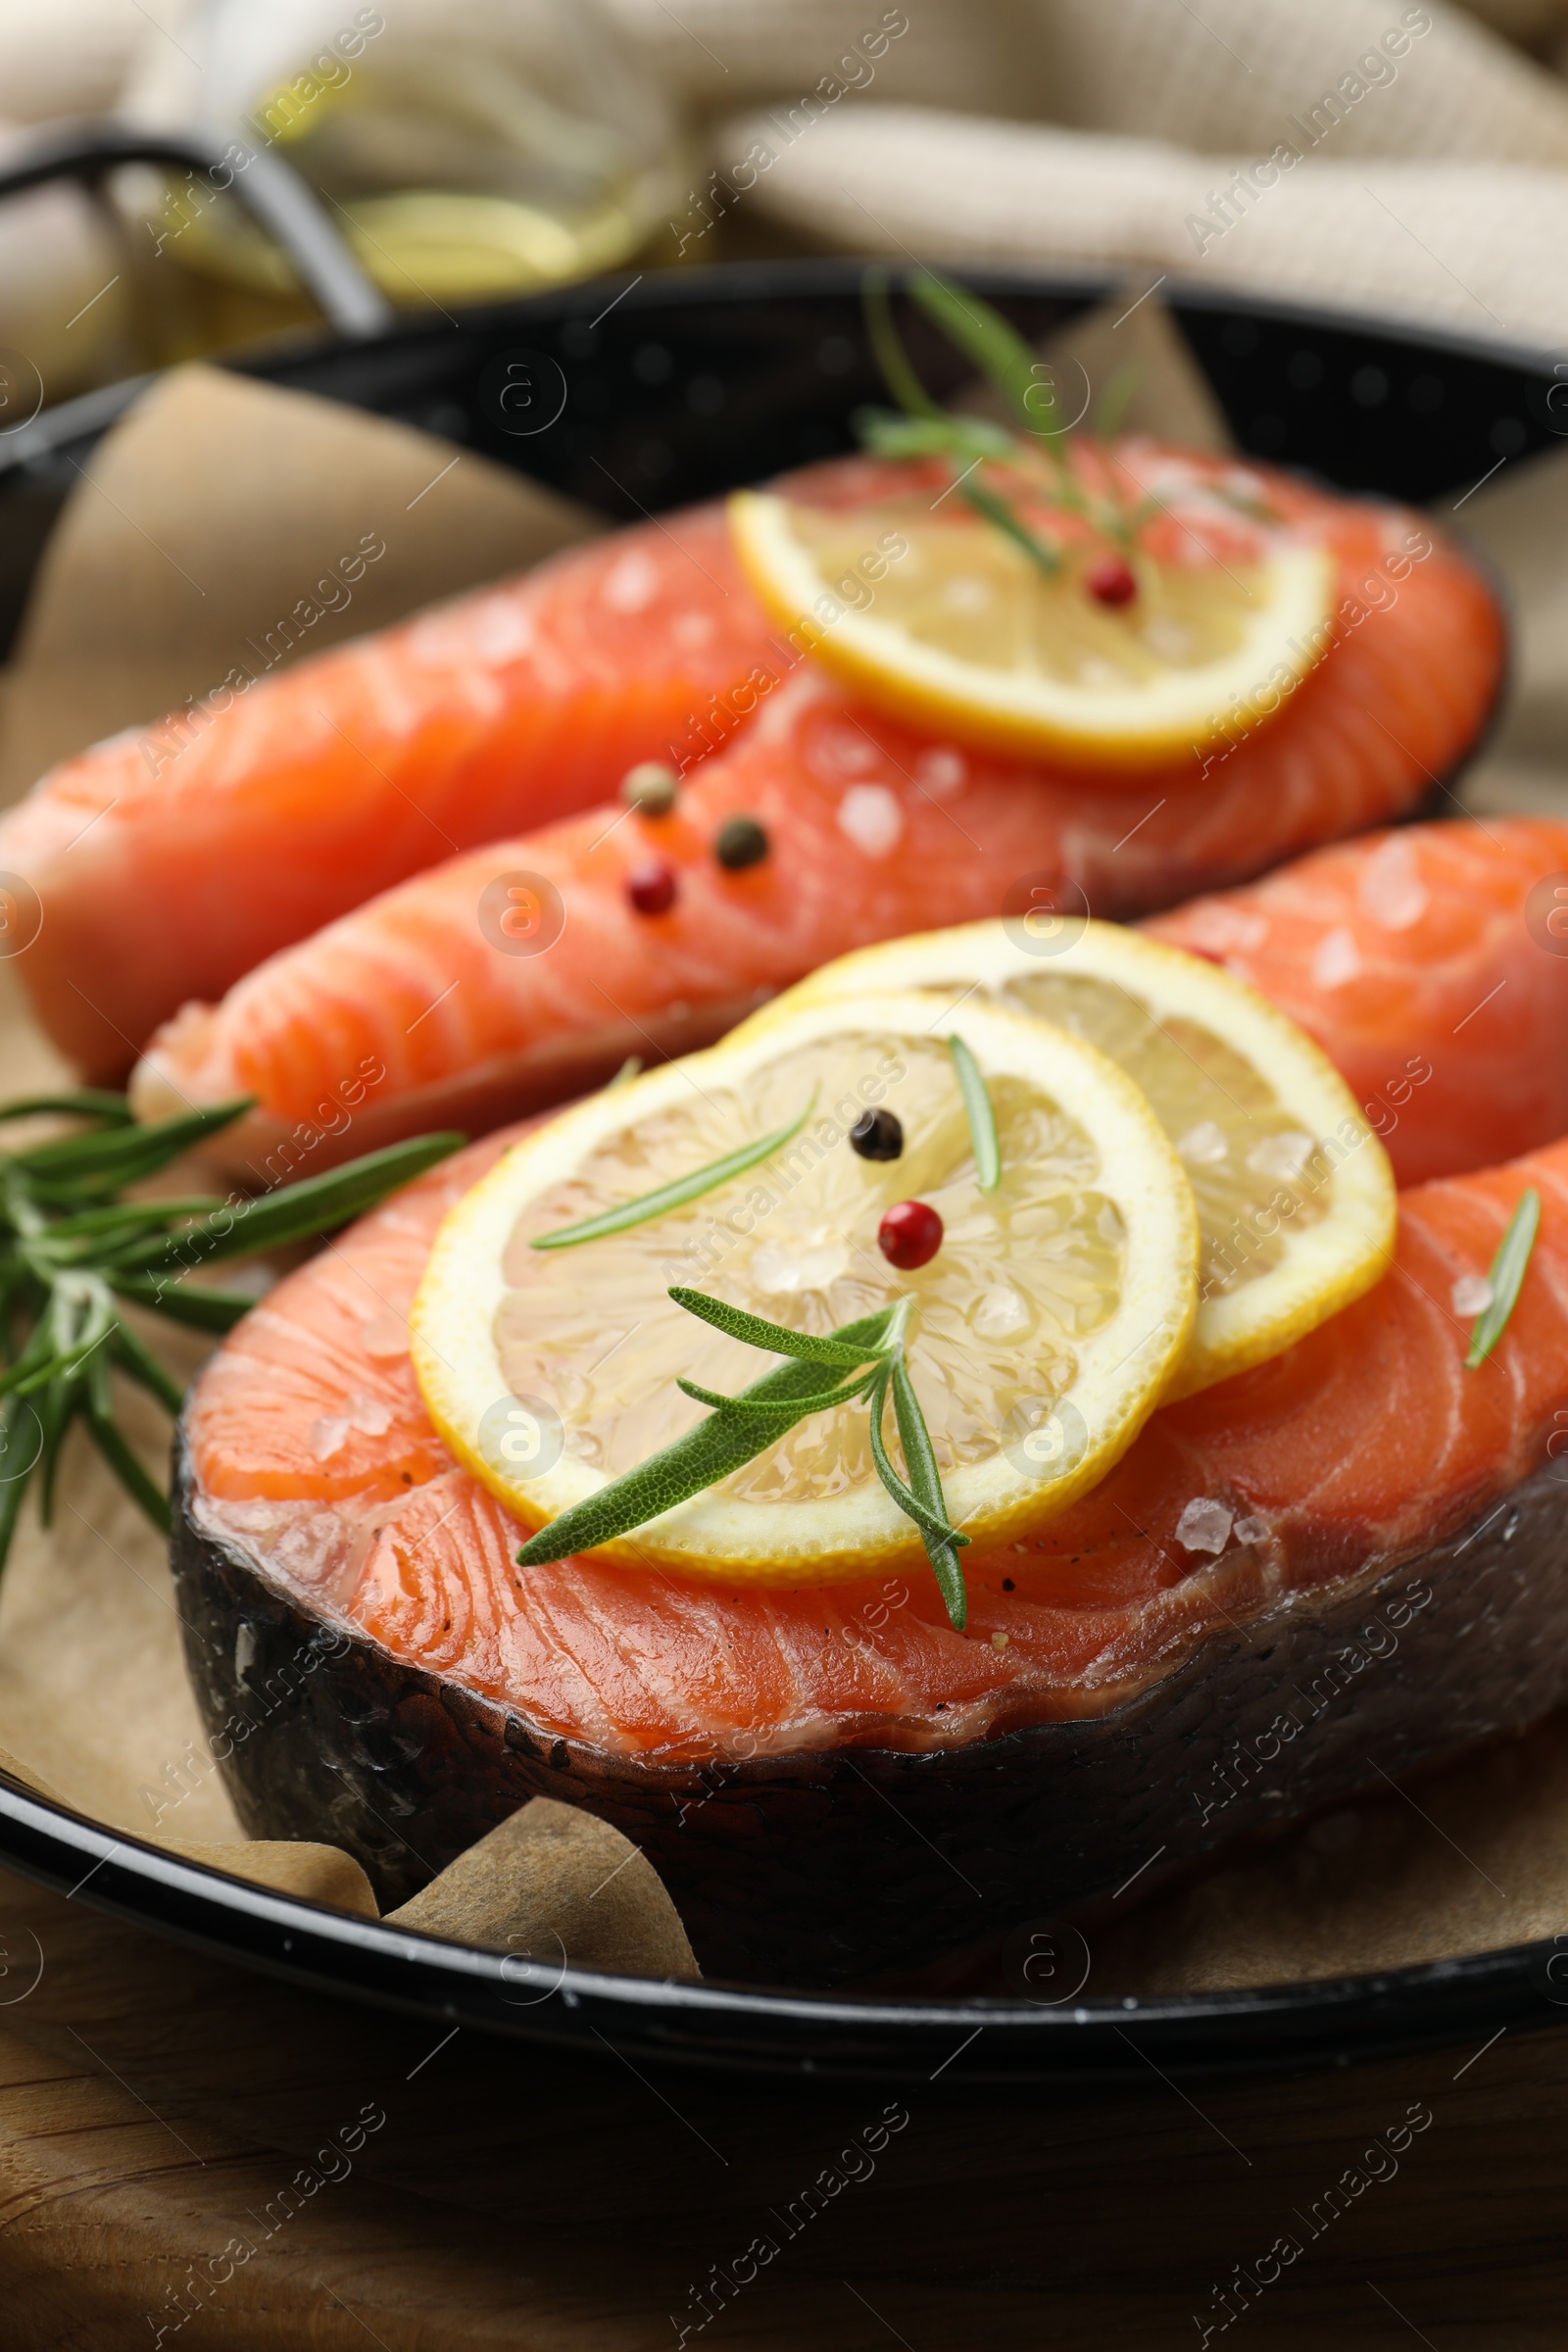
{"x": 888, "y": 435}
{"x": 985, "y": 336}
{"x": 675, "y": 1195}
{"x": 293, "y": 1214}
{"x": 981, "y": 1115}
{"x": 74, "y": 1347}
{"x": 13, "y": 1490}
{"x": 24, "y": 1376}
{"x": 120, "y": 1217}
{"x": 86, "y": 1102}
{"x": 128, "y": 1469}
{"x": 55, "y": 1408}
{"x": 901, "y": 379}
{"x": 141, "y": 1365}
{"x": 902, "y": 1495}
{"x": 997, "y": 511}
{"x": 94, "y": 1374}
{"x": 817, "y": 1402}
{"x": 43, "y": 1343}
{"x": 926, "y": 1479}
{"x": 203, "y": 1308}
{"x": 1506, "y": 1275}
{"x": 67, "y": 1249}
{"x": 778, "y": 1337}
{"x": 110, "y": 1157}
{"x": 699, "y": 1459}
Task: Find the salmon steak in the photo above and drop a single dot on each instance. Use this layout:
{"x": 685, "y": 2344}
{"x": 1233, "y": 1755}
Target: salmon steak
{"x": 834, "y": 1781}
{"x": 167, "y": 862}
{"x": 639, "y": 936}
{"x": 1431, "y": 964}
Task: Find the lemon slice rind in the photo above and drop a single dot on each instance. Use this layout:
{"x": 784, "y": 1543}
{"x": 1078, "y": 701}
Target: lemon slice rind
{"x": 1123, "y": 1368}
{"x": 1028, "y": 713}
{"x": 1324, "y": 1265}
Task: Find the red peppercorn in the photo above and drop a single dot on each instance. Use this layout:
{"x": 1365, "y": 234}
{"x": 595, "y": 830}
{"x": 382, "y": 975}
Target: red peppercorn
{"x": 909, "y": 1235}
{"x": 651, "y": 885}
{"x": 1111, "y": 581}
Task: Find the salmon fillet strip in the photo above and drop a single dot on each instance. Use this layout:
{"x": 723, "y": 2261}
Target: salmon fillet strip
{"x": 1364, "y": 1444}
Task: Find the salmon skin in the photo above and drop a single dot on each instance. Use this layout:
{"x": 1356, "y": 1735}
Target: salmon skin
{"x": 167, "y": 863}
{"x": 1432, "y": 966}
{"x": 872, "y": 829}
{"x": 1235, "y": 1587}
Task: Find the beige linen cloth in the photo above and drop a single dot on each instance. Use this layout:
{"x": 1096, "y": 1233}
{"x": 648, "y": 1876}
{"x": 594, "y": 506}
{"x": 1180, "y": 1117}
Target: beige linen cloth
{"x": 1433, "y": 176}
{"x": 1433, "y": 139}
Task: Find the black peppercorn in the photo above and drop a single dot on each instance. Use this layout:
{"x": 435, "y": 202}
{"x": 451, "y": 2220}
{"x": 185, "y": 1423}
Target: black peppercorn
{"x": 741, "y": 842}
{"x": 877, "y": 1135}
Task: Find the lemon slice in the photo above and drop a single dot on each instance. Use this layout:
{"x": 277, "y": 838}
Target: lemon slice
{"x": 1296, "y": 1197}
{"x": 962, "y": 630}
{"x": 1040, "y": 1336}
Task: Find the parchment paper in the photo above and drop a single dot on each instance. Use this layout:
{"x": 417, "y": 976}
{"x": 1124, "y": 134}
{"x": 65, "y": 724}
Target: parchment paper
{"x": 215, "y": 512}
{"x": 93, "y": 1699}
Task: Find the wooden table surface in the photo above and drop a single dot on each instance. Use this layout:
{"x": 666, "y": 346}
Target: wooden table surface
{"x": 189, "y": 2149}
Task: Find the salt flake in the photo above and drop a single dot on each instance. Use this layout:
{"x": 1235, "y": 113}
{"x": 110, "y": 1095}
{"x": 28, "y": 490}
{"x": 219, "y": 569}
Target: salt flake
{"x": 999, "y": 1312}
{"x": 1337, "y": 960}
{"x": 1471, "y": 1294}
{"x": 781, "y": 1269}
{"x": 871, "y": 817}
{"x": 1227, "y": 930}
{"x": 372, "y": 1416}
{"x": 1391, "y": 888}
{"x": 1204, "y": 1524}
{"x": 964, "y": 593}
{"x": 1282, "y": 1156}
{"x": 385, "y": 1335}
{"x": 631, "y": 584}
{"x": 835, "y": 752}
{"x": 941, "y": 771}
{"x": 1203, "y": 1146}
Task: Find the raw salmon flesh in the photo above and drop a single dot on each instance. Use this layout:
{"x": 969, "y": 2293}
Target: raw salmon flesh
{"x": 165, "y": 873}
{"x": 1240, "y": 1577}
{"x": 164, "y": 878}
{"x": 873, "y": 829}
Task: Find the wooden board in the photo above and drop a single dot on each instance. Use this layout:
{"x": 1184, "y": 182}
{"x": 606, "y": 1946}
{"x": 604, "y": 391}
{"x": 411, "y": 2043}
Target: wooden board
{"x": 178, "y": 2151}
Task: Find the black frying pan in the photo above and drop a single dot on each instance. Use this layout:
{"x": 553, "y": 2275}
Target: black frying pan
{"x": 646, "y": 392}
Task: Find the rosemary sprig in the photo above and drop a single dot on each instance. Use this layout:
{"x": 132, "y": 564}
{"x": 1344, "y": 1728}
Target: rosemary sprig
{"x": 69, "y": 1251}
{"x": 867, "y": 1354}
{"x": 677, "y": 1192}
{"x": 984, "y": 336}
{"x": 926, "y": 429}
{"x": 1506, "y": 1275}
{"x": 981, "y": 1115}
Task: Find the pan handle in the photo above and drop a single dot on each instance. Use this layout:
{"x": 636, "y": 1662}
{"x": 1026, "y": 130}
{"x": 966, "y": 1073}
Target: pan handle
{"x": 272, "y": 191}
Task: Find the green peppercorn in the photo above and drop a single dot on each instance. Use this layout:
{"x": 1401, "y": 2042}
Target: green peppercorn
{"x": 649, "y": 788}
{"x": 741, "y": 842}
